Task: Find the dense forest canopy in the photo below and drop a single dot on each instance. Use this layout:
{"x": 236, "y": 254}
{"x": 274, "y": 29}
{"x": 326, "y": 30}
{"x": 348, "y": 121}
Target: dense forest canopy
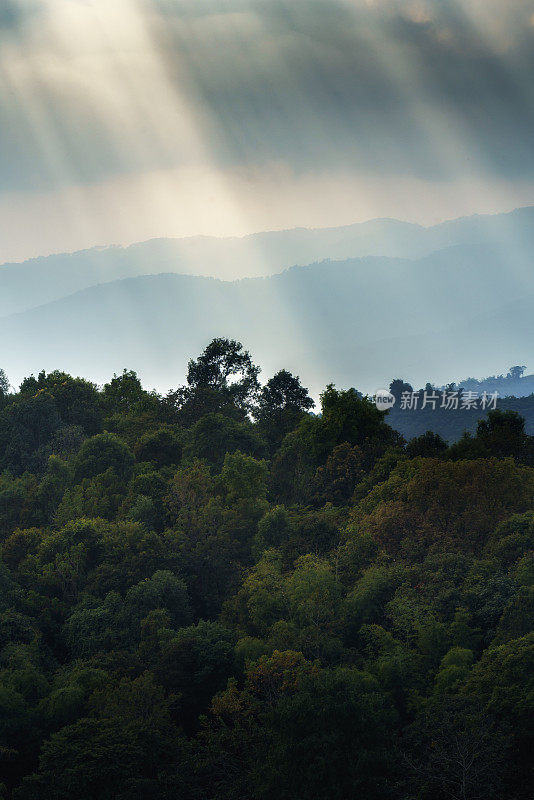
{"x": 220, "y": 594}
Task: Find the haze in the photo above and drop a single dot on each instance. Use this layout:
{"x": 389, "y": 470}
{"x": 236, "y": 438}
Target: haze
{"x": 126, "y": 120}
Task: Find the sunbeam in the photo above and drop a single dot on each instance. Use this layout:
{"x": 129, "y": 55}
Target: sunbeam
{"x": 160, "y": 119}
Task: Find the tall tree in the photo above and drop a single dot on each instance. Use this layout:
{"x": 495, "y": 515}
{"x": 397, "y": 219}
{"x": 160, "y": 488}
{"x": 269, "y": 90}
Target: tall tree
{"x": 4, "y": 384}
{"x": 222, "y": 379}
{"x": 282, "y": 403}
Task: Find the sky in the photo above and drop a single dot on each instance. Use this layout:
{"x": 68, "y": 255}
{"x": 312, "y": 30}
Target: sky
{"x": 123, "y": 120}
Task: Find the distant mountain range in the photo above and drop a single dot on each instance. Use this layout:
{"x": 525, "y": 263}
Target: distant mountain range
{"x": 458, "y": 311}
{"x": 42, "y": 280}
{"x": 508, "y": 385}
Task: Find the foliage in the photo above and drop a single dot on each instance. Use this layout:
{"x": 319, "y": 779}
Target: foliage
{"x": 219, "y": 594}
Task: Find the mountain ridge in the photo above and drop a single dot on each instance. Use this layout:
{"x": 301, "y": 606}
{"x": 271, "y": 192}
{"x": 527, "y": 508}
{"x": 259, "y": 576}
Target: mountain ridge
{"x": 37, "y": 281}
{"x": 360, "y": 321}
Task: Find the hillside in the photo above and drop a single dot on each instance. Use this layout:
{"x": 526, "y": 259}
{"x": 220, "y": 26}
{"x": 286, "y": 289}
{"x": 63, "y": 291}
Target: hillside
{"x": 217, "y": 595}
{"x": 358, "y": 322}
{"x": 43, "y": 280}
{"x": 451, "y": 425}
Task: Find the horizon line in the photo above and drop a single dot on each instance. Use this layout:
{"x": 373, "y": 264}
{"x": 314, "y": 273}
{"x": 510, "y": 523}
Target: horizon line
{"x": 265, "y": 232}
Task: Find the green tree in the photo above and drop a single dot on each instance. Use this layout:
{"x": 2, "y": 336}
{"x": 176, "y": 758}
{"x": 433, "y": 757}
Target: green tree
{"x": 315, "y": 597}
{"x": 27, "y": 425}
{"x": 454, "y": 669}
{"x": 330, "y": 737}
{"x": 512, "y": 539}
{"x": 4, "y": 385}
{"x": 274, "y": 530}
{"x": 104, "y": 756}
{"x": 215, "y": 435}
{"x": 163, "y": 590}
{"x": 100, "y": 496}
{"x": 195, "y": 663}
{"x": 336, "y": 480}
{"x": 454, "y": 503}
{"x": 222, "y": 379}
{"x": 502, "y": 683}
{"x": 77, "y": 400}
{"x": 455, "y": 751}
{"x": 501, "y": 435}
{"x": 282, "y": 403}
{"x": 123, "y": 393}
{"x": 398, "y": 387}
{"x": 428, "y": 445}
{"x": 163, "y": 446}
{"x": 518, "y": 617}
{"x": 243, "y": 478}
{"x": 103, "y": 452}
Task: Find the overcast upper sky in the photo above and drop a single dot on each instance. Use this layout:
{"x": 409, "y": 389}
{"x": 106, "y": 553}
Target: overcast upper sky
{"x": 121, "y": 120}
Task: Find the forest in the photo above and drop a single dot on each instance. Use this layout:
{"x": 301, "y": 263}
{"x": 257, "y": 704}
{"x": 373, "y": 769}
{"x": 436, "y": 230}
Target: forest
{"x": 452, "y": 423}
{"x": 220, "y": 594}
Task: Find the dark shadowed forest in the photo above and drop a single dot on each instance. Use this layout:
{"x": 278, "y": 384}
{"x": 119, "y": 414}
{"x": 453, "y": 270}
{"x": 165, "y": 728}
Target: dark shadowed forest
{"x": 454, "y": 414}
{"x": 219, "y": 595}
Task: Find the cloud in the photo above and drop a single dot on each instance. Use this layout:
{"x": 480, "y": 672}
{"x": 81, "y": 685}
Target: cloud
{"x": 387, "y": 87}
{"x": 15, "y": 13}
{"x": 10, "y": 14}
{"x": 389, "y": 93}
{"x": 377, "y": 85}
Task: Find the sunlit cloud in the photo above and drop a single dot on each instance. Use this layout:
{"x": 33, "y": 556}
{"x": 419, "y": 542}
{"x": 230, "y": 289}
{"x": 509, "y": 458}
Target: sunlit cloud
{"x": 134, "y": 118}
{"x": 124, "y": 120}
